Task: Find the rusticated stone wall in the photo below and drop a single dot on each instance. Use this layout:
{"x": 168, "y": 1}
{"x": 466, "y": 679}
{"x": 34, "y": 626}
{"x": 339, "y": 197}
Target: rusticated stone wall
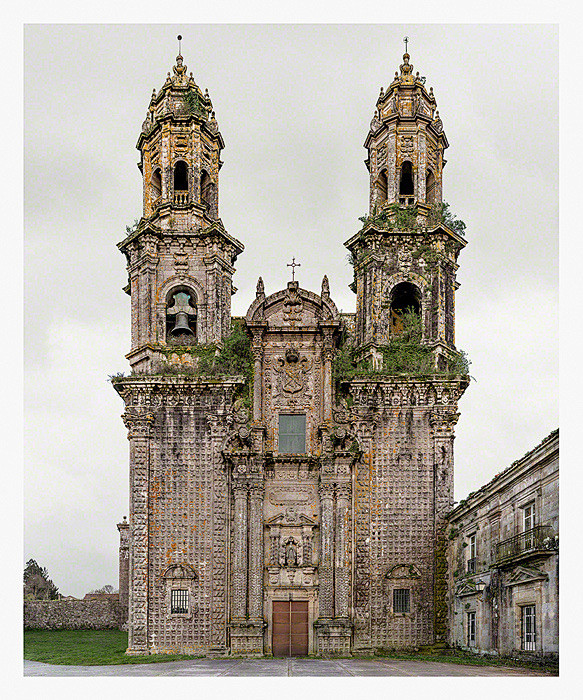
{"x": 74, "y": 614}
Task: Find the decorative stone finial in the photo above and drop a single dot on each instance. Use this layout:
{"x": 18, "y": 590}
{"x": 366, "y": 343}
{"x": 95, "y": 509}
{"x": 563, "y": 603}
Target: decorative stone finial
{"x": 325, "y": 287}
{"x": 260, "y": 290}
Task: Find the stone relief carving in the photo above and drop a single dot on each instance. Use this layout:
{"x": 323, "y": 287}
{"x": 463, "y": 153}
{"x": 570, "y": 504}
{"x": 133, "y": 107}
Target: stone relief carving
{"x": 293, "y": 371}
{"x": 292, "y": 305}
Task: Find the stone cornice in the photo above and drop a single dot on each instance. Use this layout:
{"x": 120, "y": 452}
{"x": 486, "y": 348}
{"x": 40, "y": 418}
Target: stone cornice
{"x": 371, "y": 228}
{"x": 431, "y": 392}
{"x": 214, "y": 230}
{"x": 538, "y": 457}
{"x": 160, "y": 390}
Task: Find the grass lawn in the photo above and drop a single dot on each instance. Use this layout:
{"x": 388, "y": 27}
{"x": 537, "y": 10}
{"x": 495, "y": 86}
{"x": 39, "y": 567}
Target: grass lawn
{"x": 106, "y": 647}
{"x": 85, "y": 648}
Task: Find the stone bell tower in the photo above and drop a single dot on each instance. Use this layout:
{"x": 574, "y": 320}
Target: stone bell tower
{"x": 405, "y": 262}
{"x": 405, "y": 256}
{"x": 180, "y": 262}
{"x": 180, "y": 257}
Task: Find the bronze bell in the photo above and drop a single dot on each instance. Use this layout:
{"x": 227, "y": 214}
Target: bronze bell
{"x": 181, "y": 325}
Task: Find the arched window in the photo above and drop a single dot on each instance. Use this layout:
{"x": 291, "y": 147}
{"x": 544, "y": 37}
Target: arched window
{"x": 205, "y": 190}
{"x": 406, "y": 181}
{"x": 180, "y": 176}
{"x": 430, "y": 187}
{"x": 405, "y": 309}
{"x": 382, "y": 186}
{"x": 181, "y": 317}
{"x": 156, "y": 184}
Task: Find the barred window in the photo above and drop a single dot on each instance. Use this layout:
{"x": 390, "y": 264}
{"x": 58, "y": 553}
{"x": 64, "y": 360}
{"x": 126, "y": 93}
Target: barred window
{"x": 179, "y": 601}
{"x": 528, "y": 628}
{"x": 292, "y": 434}
{"x": 471, "y": 629}
{"x": 401, "y": 600}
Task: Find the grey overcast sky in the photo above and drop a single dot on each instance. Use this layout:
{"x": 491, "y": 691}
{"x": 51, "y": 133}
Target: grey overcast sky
{"x": 294, "y": 103}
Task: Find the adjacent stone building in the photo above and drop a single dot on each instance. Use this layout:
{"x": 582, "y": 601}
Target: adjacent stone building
{"x": 504, "y": 560}
{"x": 290, "y": 471}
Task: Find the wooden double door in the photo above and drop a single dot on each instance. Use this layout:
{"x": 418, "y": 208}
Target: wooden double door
{"x": 290, "y": 628}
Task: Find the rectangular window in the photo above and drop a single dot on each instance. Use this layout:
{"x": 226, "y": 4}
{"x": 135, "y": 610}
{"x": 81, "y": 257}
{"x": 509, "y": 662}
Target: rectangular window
{"x": 292, "y": 434}
{"x": 528, "y": 517}
{"x": 401, "y": 600}
{"x": 472, "y": 554}
{"x": 471, "y": 629}
{"x": 179, "y": 601}
{"x": 528, "y": 628}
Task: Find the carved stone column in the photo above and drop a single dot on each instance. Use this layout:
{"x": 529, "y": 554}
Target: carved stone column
{"x": 326, "y": 571}
{"x": 139, "y": 427}
{"x": 342, "y": 553}
{"x": 240, "y": 553}
{"x": 256, "y": 493}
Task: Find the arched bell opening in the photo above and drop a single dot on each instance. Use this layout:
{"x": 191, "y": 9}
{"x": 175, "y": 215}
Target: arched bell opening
{"x": 205, "y": 190}
{"x": 180, "y": 183}
{"x": 406, "y": 184}
{"x": 430, "y": 187}
{"x": 382, "y": 187}
{"x": 405, "y": 310}
{"x": 181, "y": 317}
{"x": 156, "y": 184}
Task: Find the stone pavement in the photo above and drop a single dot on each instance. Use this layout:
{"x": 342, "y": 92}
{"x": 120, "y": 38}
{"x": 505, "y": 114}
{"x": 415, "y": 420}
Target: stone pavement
{"x": 280, "y": 667}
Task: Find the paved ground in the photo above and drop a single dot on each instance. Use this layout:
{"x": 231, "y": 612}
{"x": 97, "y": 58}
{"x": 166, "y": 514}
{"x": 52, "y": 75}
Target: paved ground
{"x": 279, "y": 667}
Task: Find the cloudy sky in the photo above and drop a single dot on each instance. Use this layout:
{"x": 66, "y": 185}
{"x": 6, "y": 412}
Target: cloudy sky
{"x": 294, "y": 104}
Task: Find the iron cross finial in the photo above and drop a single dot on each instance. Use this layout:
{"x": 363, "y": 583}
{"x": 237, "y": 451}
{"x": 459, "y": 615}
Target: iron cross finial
{"x": 293, "y": 264}
{"x": 406, "y": 40}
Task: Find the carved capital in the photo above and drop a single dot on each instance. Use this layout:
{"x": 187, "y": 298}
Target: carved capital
{"x": 326, "y": 490}
{"x": 443, "y": 423}
{"x": 138, "y": 423}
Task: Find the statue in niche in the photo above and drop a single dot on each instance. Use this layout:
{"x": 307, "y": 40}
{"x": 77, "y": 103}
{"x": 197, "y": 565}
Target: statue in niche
{"x": 291, "y": 553}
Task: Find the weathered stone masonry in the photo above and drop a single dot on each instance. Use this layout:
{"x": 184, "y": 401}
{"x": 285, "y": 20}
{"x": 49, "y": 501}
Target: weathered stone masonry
{"x": 288, "y": 510}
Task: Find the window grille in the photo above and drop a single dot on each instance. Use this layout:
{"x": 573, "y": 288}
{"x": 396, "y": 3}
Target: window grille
{"x": 292, "y": 434}
{"x": 401, "y": 600}
{"x": 179, "y": 601}
{"x": 528, "y": 628}
{"x": 471, "y": 629}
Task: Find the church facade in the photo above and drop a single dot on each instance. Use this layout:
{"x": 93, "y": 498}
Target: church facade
{"x": 290, "y": 471}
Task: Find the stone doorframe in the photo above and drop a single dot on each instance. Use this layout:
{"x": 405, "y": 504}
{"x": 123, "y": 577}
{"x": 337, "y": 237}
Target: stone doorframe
{"x": 290, "y": 594}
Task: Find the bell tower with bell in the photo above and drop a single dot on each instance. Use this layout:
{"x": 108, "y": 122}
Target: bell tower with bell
{"x": 180, "y": 257}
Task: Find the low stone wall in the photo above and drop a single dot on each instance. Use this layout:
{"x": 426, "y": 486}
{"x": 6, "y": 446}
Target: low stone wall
{"x": 74, "y": 614}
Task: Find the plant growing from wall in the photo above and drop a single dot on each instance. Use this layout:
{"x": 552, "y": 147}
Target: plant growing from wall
{"x": 441, "y": 214}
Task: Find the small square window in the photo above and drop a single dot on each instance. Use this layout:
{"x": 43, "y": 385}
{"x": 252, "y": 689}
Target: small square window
{"x": 292, "y": 434}
{"x": 401, "y": 600}
{"x": 471, "y": 629}
{"x": 179, "y": 601}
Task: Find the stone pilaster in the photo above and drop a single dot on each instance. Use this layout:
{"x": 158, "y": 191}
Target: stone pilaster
{"x": 257, "y": 350}
{"x": 326, "y": 570}
{"x": 239, "y": 606}
{"x": 328, "y": 352}
{"x": 342, "y": 553}
{"x": 139, "y": 427}
{"x": 256, "y": 494}
{"x": 442, "y": 427}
